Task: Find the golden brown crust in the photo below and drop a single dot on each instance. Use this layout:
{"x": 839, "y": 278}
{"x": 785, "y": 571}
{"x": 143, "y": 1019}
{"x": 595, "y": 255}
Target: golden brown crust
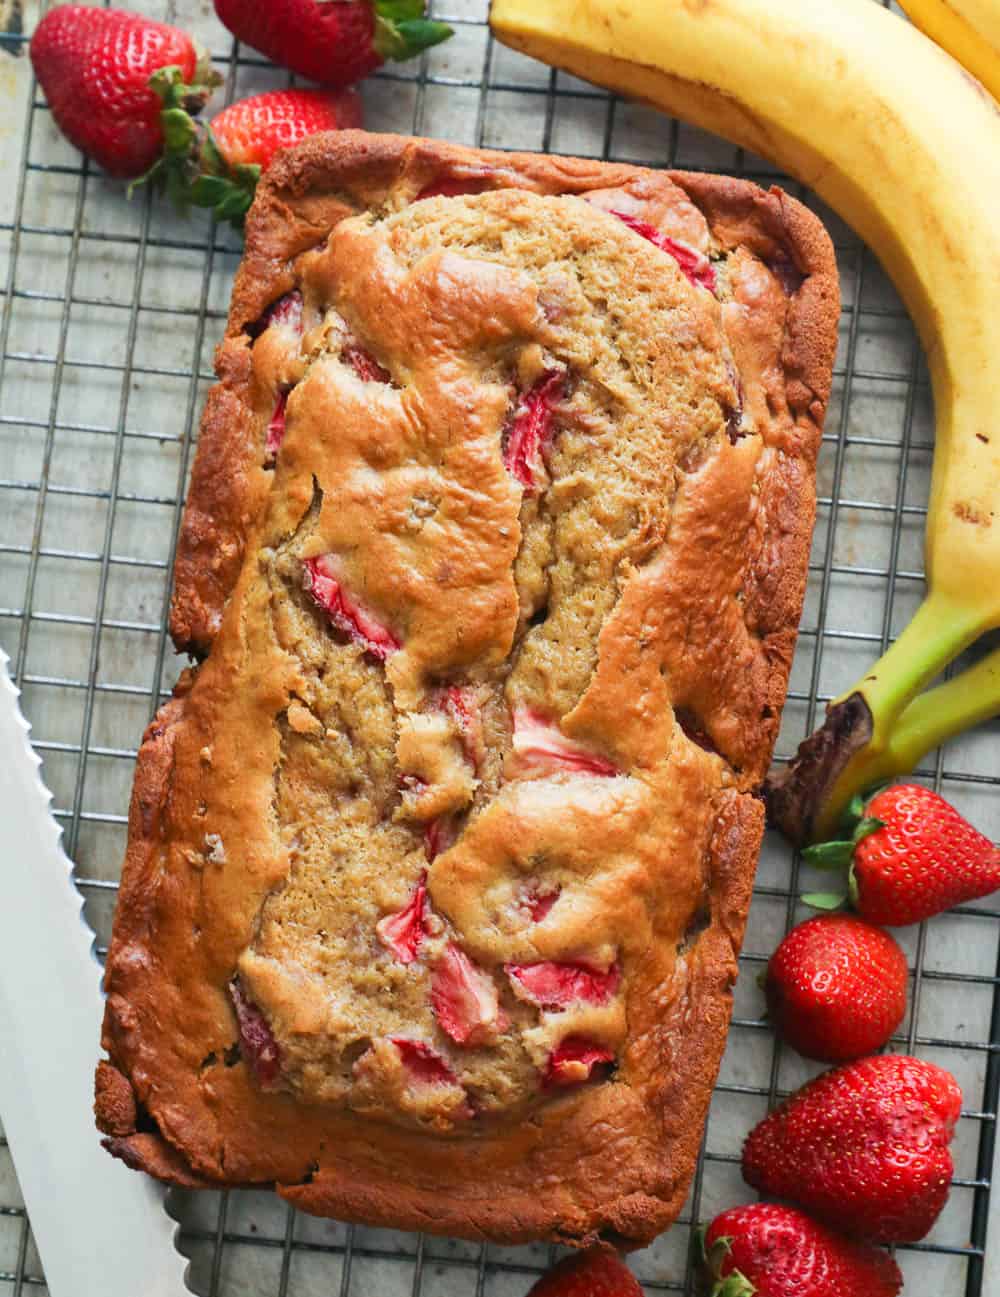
{"x": 613, "y": 1160}
{"x": 329, "y": 177}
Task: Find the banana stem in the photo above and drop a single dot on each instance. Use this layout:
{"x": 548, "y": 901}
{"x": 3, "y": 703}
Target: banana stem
{"x": 858, "y": 743}
{"x": 938, "y": 631}
{"x": 933, "y": 718}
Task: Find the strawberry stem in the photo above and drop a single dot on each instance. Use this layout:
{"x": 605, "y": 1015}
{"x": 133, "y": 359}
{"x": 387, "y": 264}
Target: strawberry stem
{"x": 402, "y": 31}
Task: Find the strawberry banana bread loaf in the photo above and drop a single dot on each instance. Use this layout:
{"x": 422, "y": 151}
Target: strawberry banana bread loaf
{"x": 439, "y": 861}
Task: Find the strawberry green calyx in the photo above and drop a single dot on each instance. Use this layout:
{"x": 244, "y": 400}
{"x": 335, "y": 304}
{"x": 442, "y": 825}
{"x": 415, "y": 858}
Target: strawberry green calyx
{"x": 713, "y": 1256}
{"x": 402, "y": 31}
{"x": 191, "y": 169}
{"x": 839, "y": 853}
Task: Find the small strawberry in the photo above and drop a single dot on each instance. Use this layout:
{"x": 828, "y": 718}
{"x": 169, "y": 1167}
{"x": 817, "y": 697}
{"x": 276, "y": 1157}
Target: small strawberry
{"x": 95, "y": 67}
{"x": 836, "y": 987}
{"x": 910, "y": 856}
{"x": 771, "y": 1251}
{"x": 251, "y": 131}
{"x": 218, "y": 165}
{"x": 863, "y": 1147}
{"x": 597, "y": 1273}
{"x": 333, "y": 42}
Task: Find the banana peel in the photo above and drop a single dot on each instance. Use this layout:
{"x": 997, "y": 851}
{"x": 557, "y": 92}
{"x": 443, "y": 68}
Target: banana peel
{"x": 968, "y": 29}
{"x": 892, "y": 133}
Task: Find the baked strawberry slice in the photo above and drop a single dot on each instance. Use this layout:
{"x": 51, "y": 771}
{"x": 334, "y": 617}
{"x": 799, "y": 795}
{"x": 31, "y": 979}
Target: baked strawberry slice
{"x": 553, "y": 985}
{"x": 285, "y": 313}
{"x": 573, "y": 1061}
{"x": 460, "y": 704}
{"x": 403, "y": 932}
{"x": 276, "y": 429}
{"x": 439, "y": 835}
{"x": 694, "y": 264}
{"x": 425, "y": 1067}
{"x": 424, "y": 1062}
{"x": 455, "y": 187}
{"x": 257, "y": 1043}
{"x": 530, "y": 430}
{"x": 538, "y": 904}
{"x": 364, "y": 364}
{"x": 538, "y": 745}
{"x": 465, "y": 999}
{"x": 347, "y": 614}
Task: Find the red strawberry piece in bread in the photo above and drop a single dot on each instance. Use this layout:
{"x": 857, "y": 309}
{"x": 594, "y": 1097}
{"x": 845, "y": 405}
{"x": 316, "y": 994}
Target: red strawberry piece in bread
{"x": 765, "y": 1250}
{"x": 573, "y": 1061}
{"x": 456, "y": 186}
{"x": 596, "y": 1273}
{"x": 553, "y": 985}
{"x": 538, "y": 745}
{"x": 251, "y": 131}
{"x": 863, "y": 1147}
{"x": 257, "y": 1043}
{"x": 365, "y": 365}
{"x": 465, "y": 999}
{"x": 403, "y": 932}
{"x": 695, "y": 266}
{"x": 333, "y": 42}
{"x": 95, "y": 65}
{"x": 530, "y": 430}
{"x": 836, "y": 987}
{"x": 911, "y": 855}
{"x": 323, "y": 581}
{"x": 425, "y": 1067}
{"x": 536, "y": 902}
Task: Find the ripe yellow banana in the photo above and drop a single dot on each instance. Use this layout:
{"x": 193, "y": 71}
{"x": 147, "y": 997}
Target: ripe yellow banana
{"x": 968, "y": 29}
{"x": 895, "y": 136}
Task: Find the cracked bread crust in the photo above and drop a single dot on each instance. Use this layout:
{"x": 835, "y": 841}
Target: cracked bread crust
{"x": 578, "y": 709}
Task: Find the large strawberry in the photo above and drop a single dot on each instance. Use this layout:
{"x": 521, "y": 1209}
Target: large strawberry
{"x": 909, "y": 856}
{"x": 597, "y": 1273}
{"x": 836, "y": 987}
{"x": 863, "y": 1147}
{"x": 771, "y": 1251}
{"x": 334, "y": 42}
{"x": 95, "y": 67}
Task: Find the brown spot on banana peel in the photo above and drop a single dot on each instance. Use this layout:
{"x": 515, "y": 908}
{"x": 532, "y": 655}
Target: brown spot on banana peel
{"x": 796, "y": 793}
{"x": 969, "y": 511}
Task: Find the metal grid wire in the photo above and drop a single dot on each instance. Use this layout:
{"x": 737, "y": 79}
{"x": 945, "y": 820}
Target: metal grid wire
{"x": 110, "y": 312}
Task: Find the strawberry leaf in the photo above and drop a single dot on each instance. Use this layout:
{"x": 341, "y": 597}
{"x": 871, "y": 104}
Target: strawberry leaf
{"x": 829, "y": 855}
{"x": 398, "y": 41}
{"x": 735, "y": 1284}
{"x": 824, "y": 900}
{"x": 178, "y": 130}
{"x": 866, "y": 828}
{"x": 399, "y": 11}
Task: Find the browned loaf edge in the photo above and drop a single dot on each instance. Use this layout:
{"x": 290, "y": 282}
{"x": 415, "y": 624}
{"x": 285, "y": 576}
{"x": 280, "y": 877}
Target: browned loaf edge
{"x": 575, "y": 1170}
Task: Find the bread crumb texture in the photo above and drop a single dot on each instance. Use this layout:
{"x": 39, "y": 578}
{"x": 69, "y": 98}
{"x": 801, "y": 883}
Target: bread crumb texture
{"x": 451, "y": 793}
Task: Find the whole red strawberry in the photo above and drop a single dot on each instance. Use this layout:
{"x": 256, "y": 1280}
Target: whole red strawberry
{"x": 774, "y": 1251}
{"x": 597, "y": 1273}
{"x": 863, "y": 1147}
{"x": 253, "y": 130}
{"x": 911, "y": 855}
{"x": 334, "y": 42}
{"x": 836, "y": 987}
{"x": 95, "y": 67}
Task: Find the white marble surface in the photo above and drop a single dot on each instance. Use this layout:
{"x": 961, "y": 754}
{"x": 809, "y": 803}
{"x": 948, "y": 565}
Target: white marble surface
{"x": 89, "y": 406}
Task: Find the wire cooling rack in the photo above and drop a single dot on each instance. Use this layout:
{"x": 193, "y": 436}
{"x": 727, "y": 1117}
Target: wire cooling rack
{"x": 110, "y": 313}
